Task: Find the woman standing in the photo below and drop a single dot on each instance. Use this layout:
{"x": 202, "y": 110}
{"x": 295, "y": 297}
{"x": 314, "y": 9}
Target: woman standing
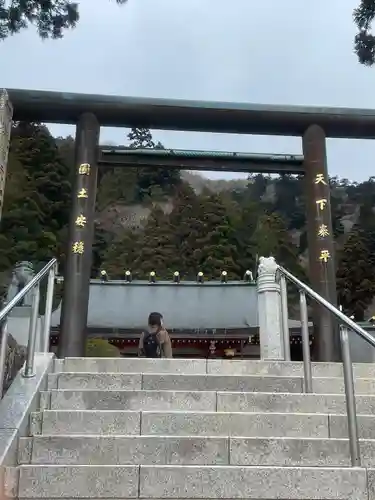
{"x": 155, "y": 343}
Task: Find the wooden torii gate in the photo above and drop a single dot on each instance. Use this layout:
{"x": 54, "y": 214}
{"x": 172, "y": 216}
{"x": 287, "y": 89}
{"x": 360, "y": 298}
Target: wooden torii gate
{"x": 89, "y": 112}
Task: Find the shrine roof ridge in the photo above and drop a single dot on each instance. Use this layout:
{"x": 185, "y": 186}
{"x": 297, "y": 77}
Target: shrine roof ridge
{"x": 205, "y": 116}
{"x": 182, "y": 283}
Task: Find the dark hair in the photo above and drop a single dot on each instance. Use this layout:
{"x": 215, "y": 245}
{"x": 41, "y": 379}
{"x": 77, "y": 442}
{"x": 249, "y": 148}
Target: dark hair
{"x": 154, "y": 319}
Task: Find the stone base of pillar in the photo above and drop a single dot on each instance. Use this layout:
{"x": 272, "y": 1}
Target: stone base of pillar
{"x": 269, "y": 311}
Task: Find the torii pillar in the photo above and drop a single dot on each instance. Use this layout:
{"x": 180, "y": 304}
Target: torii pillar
{"x": 320, "y": 242}
{"x": 6, "y": 113}
{"x": 73, "y": 326}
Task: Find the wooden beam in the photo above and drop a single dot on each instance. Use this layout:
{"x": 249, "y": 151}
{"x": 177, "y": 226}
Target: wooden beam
{"x": 204, "y": 116}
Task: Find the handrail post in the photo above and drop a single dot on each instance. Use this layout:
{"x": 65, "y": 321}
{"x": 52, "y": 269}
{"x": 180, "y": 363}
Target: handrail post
{"x": 307, "y": 372}
{"x": 284, "y": 316}
{"x": 48, "y": 309}
{"x": 30, "y": 353}
{"x": 351, "y": 410}
{"x": 3, "y": 353}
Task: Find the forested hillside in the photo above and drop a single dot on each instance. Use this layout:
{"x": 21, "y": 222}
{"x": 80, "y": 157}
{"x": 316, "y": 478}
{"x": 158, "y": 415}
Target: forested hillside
{"x": 156, "y": 220}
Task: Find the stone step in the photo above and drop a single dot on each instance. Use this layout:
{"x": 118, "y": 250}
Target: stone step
{"x": 122, "y": 422}
{"x": 190, "y": 482}
{"x": 293, "y": 403}
{"x": 254, "y": 483}
{"x": 215, "y": 366}
{"x": 98, "y": 381}
{"x": 177, "y": 382}
{"x": 285, "y": 368}
{"x": 78, "y": 481}
{"x": 134, "y": 365}
{"x": 246, "y": 383}
{"x": 330, "y": 385}
{"x": 124, "y": 450}
{"x": 234, "y": 424}
{"x": 338, "y": 426}
{"x": 190, "y": 450}
{"x": 130, "y": 400}
{"x": 85, "y": 422}
{"x": 181, "y": 423}
{"x": 65, "y": 399}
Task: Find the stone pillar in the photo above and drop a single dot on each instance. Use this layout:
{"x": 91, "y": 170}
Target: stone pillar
{"x": 269, "y": 311}
{"x": 320, "y": 242}
{"x": 72, "y": 339}
{"x": 6, "y": 113}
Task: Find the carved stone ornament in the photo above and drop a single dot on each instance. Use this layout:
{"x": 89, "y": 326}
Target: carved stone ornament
{"x": 14, "y": 359}
{"x": 23, "y": 273}
{"x": 267, "y": 265}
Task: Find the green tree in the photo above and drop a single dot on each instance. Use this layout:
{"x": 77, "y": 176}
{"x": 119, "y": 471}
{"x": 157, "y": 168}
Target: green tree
{"x": 355, "y": 275}
{"x": 51, "y": 17}
{"x": 289, "y": 200}
{"x": 364, "y": 195}
{"x": 364, "y": 44}
{"x": 184, "y": 220}
{"x": 257, "y": 185}
{"x": 271, "y": 238}
{"x": 133, "y": 185}
{"x": 35, "y": 217}
{"x": 152, "y": 182}
{"x": 245, "y": 224}
{"x": 156, "y": 249}
{"x": 66, "y": 147}
{"x": 121, "y": 254}
{"x": 102, "y": 240}
{"x": 141, "y": 138}
{"x": 117, "y": 186}
{"x": 16, "y": 181}
{"x": 47, "y": 173}
{"x": 213, "y": 239}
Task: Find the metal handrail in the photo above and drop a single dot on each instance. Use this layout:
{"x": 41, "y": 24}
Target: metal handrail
{"x": 345, "y": 324}
{"x": 34, "y": 286}
{"x": 334, "y": 310}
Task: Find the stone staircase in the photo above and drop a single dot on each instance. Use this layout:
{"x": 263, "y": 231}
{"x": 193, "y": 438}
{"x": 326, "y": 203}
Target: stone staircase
{"x": 195, "y": 429}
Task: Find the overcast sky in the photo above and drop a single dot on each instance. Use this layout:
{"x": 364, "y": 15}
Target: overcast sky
{"x": 269, "y": 52}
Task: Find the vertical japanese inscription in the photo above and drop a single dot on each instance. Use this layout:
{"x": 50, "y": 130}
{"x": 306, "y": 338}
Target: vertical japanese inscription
{"x": 78, "y": 246}
{"x": 321, "y": 204}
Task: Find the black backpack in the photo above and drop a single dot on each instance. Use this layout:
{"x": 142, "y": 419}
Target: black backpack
{"x": 151, "y": 346}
